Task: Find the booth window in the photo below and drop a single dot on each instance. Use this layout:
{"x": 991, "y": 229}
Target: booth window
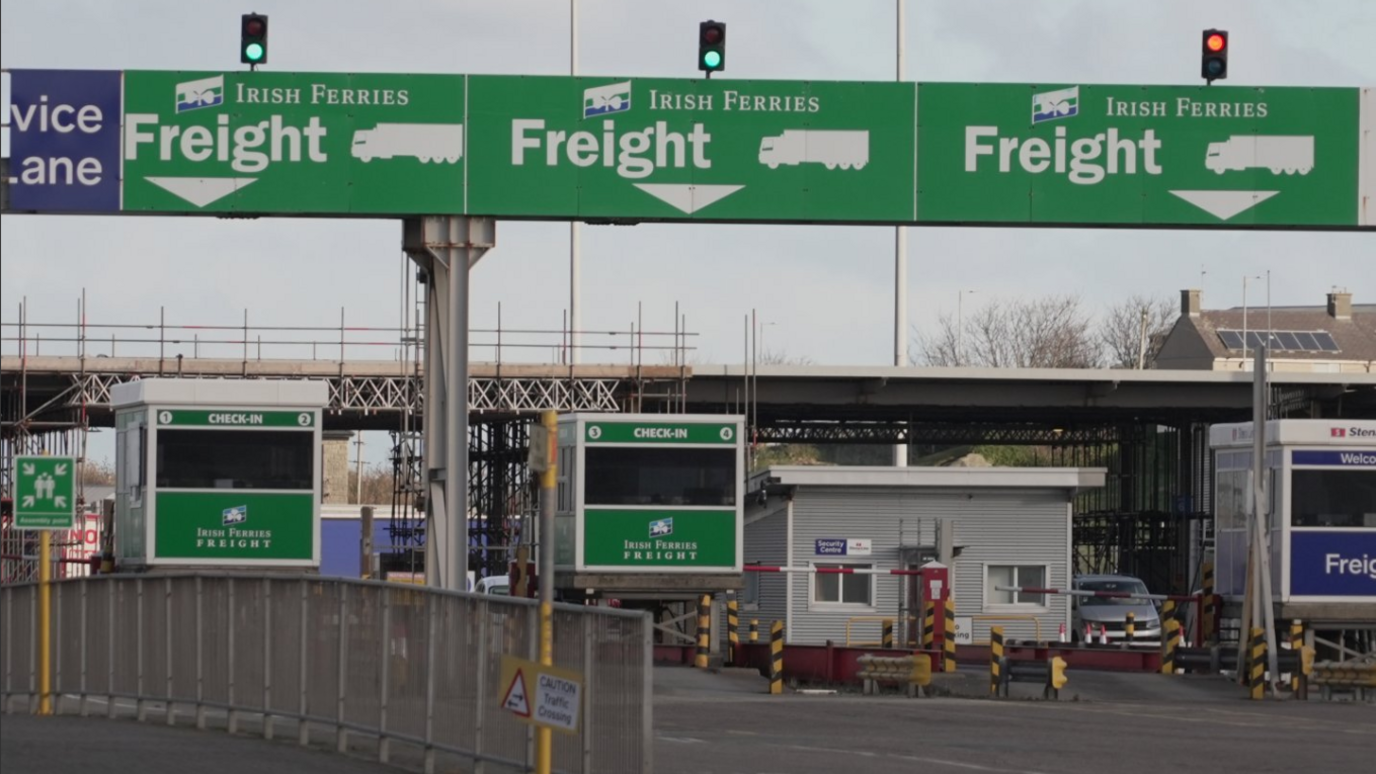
{"x": 1333, "y": 498}
{"x": 235, "y": 459}
{"x": 843, "y": 589}
{"x": 659, "y": 476}
{"x": 1021, "y": 575}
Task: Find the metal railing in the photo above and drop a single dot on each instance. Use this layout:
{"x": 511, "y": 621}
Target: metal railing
{"x": 86, "y": 338}
{"x": 399, "y": 663}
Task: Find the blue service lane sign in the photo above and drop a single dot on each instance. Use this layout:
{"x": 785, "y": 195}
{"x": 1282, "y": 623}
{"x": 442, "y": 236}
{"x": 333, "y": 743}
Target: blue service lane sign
{"x": 63, "y": 130}
{"x": 1345, "y": 459}
{"x": 1333, "y": 563}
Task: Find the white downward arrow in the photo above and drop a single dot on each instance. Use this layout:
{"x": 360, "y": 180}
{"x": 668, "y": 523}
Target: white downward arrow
{"x": 689, "y": 198}
{"x": 201, "y": 191}
{"x": 1225, "y": 204}
{"x": 60, "y": 501}
{"x": 28, "y": 501}
{"x": 60, "y": 469}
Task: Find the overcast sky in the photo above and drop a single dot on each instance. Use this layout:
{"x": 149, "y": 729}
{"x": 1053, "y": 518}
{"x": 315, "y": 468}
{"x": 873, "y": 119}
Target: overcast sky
{"x": 825, "y": 293}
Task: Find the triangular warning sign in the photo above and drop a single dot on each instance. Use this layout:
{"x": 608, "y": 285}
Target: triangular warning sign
{"x": 516, "y": 696}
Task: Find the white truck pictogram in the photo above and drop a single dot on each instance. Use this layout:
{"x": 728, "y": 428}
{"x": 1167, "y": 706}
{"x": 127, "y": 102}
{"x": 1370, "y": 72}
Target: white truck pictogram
{"x": 427, "y": 142}
{"x": 1278, "y": 153}
{"x": 829, "y": 147}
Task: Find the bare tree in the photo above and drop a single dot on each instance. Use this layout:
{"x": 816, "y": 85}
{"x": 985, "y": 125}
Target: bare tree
{"x": 377, "y": 485}
{"x": 1129, "y": 325}
{"x": 97, "y": 472}
{"x": 1049, "y": 332}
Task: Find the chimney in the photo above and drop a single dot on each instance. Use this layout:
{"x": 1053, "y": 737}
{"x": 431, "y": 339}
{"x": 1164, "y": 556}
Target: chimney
{"x": 1189, "y": 303}
{"x": 1340, "y": 306}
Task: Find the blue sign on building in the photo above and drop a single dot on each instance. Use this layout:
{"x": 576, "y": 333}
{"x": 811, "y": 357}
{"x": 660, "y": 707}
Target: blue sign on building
{"x": 64, "y": 132}
{"x": 1333, "y": 563}
{"x": 830, "y": 547}
{"x": 1354, "y": 458}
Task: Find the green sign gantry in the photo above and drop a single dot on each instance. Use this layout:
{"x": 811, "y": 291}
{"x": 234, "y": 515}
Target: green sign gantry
{"x": 44, "y": 492}
{"x": 624, "y": 150}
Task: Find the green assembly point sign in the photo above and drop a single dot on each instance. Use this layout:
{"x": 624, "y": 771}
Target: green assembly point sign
{"x": 229, "y": 418}
{"x": 293, "y": 143}
{"x": 656, "y": 148}
{"x": 649, "y": 538}
{"x": 44, "y": 492}
{"x": 715, "y": 433}
{"x": 1137, "y": 155}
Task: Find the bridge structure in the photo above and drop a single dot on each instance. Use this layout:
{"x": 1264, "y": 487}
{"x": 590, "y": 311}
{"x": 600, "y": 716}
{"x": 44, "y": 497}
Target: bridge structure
{"x": 1148, "y": 427}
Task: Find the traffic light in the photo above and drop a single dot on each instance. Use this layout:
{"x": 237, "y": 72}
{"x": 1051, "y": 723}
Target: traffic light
{"x": 712, "y": 47}
{"x": 253, "y": 39}
{"x": 1214, "y": 63}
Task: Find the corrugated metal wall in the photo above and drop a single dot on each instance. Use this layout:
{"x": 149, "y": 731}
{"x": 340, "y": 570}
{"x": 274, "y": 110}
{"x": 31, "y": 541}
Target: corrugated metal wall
{"x": 1003, "y": 527}
{"x": 766, "y": 543}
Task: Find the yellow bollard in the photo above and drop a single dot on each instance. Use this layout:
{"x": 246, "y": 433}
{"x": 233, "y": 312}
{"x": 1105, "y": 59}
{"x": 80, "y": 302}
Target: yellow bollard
{"x": 45, "y": 623}
{"x": 1256, "y": 665}
{"x": 995, "y": 660}
{"x": 776, "y": 657}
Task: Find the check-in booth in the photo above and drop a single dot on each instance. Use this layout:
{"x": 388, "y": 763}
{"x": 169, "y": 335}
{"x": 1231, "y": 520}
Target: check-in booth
{"x": 218, "y": 473}
{"x": 1321, "y": 494}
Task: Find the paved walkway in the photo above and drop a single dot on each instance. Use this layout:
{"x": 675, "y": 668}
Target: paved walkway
{"x": 73, "y": 745}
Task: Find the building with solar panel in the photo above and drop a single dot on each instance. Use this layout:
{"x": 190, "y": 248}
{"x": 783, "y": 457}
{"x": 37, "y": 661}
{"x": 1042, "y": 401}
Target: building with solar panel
{"x": 1335, "y": 338}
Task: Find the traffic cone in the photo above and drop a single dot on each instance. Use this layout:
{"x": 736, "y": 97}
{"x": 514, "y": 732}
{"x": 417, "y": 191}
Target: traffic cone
{"x": 1089, "y": 635}
{"x": 1062, "y": 632}
{"x": 1103, "y": 634}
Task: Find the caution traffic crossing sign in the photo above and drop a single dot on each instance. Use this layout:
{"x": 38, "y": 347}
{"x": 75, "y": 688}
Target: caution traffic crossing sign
{"x": 541, "y": 695}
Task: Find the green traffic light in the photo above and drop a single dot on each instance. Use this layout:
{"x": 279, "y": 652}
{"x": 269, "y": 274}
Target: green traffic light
{"x": 712, "y": 59}
{"x": 254, "y": 52}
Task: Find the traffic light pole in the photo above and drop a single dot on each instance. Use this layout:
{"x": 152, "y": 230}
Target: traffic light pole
{"x": 575, "y": 269}
{"x": 900, "y": 256}
{"x": 446, "y": 248}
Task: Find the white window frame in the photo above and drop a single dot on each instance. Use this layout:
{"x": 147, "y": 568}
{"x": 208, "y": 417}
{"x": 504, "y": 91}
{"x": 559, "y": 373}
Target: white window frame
{"x": 1015, "y": 607}
{"x": 839, "y": 607}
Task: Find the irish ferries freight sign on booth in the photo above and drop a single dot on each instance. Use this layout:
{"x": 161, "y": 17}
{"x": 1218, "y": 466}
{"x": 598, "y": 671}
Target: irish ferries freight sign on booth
{"x": 649, "y": 493}
{"x": 218, "y": 473}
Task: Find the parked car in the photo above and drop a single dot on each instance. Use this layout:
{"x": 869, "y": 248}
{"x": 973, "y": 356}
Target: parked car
{"x": 1110, "y": 614}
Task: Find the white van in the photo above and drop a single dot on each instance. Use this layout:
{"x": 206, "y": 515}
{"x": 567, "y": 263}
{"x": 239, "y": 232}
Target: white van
{"x": 499, "y": 585}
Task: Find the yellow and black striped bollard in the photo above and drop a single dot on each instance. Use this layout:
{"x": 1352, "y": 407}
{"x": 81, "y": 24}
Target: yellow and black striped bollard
{"x": 928, "y": 624}
{"x": 1170, "y": 641}
{"x": 776, "y": 657}
{"x": 1256, "y": 665}
{"x": 733, "y": 636}
{"x": 995, "y": 660}
{"x": 754, "y": 630}
{"x": 949, "y": 647}
{"x": 1297, "y": 646}
{"x": 886, "y": 639}
{"x": 704, "y": 631}
{"x": 1131, "y": 628}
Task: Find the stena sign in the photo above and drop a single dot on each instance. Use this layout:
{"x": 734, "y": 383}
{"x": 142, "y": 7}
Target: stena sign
{"x": 62, "y": 136}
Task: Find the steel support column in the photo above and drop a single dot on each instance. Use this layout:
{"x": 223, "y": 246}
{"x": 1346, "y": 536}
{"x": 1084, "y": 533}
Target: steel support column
{"x": 446, "y": 247}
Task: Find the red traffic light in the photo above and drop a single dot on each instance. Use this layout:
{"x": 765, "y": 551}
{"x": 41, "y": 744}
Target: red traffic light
{"x": 711, "y": 34}
{"x": 1216, "y": 42}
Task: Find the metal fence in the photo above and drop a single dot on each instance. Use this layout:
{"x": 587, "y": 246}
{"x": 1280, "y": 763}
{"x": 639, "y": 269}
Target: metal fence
{"x": 402, "y": 664}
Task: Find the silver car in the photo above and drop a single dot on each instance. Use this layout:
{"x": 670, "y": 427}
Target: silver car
{"x": 1107, "y": 616}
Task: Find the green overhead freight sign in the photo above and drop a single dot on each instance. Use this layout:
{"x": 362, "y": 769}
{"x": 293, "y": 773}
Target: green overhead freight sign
{"x": 1128, "y": 155}
{"x": 623, "y": 149}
